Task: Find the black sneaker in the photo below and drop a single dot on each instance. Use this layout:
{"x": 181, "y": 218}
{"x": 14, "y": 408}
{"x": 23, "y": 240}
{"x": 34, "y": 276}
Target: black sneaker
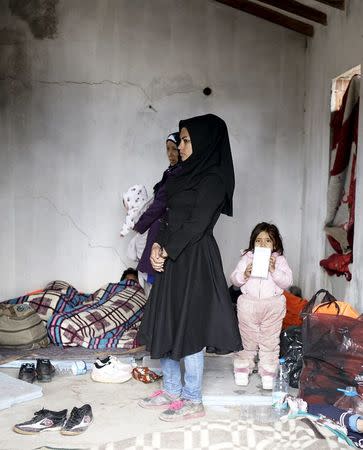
{"x": 43, "y": 420}
{"x": 79, "y": 420}
{"x": 45, "y": 370}
{"x": 27, "y": 372}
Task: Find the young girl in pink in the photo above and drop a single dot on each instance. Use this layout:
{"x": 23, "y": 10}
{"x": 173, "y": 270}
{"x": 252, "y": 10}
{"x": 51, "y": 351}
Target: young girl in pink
{"x": 261, "y": 306}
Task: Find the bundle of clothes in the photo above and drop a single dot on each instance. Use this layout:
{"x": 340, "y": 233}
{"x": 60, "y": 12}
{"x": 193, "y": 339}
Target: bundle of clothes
{"x": 345, "y": 424}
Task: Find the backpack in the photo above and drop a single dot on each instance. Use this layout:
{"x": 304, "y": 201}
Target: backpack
{"x": 330, "y": 305}
{"x": 336, "y": 307}
{"x": 21, "y": 327}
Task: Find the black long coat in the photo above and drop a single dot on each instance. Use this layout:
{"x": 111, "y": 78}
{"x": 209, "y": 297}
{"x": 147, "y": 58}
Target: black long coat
{"x": 189, "y": 307}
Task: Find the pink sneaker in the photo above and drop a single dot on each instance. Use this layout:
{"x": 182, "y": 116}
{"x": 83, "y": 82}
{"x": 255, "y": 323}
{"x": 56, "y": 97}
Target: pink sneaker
{"x": 182, "y": 410}
{"x": 158, "y": 399}
{"x": 241, "y": 378}
{"x": 267, "y": 376}
{"x": 267, "y": 382}
{"x": 241, "y": 372}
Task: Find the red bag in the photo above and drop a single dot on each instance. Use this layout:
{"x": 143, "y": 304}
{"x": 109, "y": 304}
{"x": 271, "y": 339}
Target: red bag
{"x": 332, "y": 353}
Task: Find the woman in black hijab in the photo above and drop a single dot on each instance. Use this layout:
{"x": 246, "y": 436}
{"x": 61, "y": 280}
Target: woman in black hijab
{"x": 189, "y": 306}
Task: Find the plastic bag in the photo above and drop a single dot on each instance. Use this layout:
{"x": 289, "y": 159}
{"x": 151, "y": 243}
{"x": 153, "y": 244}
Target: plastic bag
{"x": 291, "y": 349}
{"x": 350, "y": 400}
{"x": 333, "y": 356}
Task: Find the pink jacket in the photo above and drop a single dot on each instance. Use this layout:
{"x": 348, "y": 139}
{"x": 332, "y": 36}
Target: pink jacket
{"x": 275, "y": 283}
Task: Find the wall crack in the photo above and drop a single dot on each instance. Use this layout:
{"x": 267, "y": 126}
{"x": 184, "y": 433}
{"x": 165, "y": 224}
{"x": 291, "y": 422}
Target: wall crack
{"x": 90, "y": 244}
{"x": 121, "y": 83}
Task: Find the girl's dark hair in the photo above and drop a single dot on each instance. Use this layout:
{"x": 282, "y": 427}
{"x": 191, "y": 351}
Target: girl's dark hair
{"x": 272, "y": 231}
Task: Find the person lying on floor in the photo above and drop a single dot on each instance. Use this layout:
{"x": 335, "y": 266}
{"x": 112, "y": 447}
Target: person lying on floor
{"x": 130, "y": 274}
{"x": 346, "y": 422}
{"x": 107, "y": 318}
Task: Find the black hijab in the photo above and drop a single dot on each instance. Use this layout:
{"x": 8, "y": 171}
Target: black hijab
{"x": 211, "y": 154}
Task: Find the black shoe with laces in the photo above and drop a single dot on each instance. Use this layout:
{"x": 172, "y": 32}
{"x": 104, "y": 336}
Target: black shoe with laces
{"x": 79, "y": 420}
{"x": 45, "y": 370}
{"x": 43, "y": 420}
{"x": 27, "y": 372}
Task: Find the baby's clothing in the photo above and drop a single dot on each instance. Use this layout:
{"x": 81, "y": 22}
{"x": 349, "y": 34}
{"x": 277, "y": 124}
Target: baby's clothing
{"x": 136, "y": 246}
{"x": 259, "y": 322}
{"x": 260, "y": 309}
{"x": 136, "y": 202}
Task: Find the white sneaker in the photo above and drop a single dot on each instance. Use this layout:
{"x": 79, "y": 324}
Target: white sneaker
{"x": 102, "y": 362}
{"x": 241, "y": 378}
{"x": 111, "y": 370}
{"x": 267, "y": 382}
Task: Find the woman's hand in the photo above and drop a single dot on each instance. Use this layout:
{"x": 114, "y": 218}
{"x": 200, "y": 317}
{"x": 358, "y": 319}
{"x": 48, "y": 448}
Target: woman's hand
{"x": 248, "y": 271}
{"x": 155, "y": 254}
{"x": 158, "y": 257}
{"x": 271, "y": 266}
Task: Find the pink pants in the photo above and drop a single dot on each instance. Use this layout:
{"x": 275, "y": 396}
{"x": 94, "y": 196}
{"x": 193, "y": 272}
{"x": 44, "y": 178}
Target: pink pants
{"x": 260, "y": 322}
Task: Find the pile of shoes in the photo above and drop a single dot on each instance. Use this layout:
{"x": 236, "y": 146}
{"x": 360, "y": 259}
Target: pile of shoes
{"x": 45, "y": 420}
{"x": 43, "y": 371}
{"x": 111, "y": 370}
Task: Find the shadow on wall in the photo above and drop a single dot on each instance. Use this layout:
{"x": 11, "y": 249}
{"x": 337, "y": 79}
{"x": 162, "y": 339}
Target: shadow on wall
{"x": 40, "y": 15}
{"x": 15, "y": 70}
{"x": 14, "y": 66}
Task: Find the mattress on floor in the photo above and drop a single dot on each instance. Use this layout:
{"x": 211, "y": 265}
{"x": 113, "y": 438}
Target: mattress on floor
{"x": 14, "y": 391}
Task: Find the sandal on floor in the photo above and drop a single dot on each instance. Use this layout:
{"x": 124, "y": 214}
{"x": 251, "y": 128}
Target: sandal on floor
{"x": 145, "y": 375}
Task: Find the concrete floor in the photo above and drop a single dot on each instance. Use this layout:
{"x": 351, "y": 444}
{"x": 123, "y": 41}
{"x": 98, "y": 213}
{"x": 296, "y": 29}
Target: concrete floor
{"x": 116, "y": 414}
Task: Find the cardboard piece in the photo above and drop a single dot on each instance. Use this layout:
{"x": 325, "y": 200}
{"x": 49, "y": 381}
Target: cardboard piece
{"x": 14, "y": 391}
{"x": 261, "y": 261}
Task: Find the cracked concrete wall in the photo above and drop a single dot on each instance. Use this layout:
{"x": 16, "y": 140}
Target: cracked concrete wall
{"x": 333, "y": 51}
{"x": 84, "y": 113}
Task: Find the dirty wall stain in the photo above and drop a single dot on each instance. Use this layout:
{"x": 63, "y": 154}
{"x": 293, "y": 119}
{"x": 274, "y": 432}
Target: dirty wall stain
{"x": 40, "y": 15}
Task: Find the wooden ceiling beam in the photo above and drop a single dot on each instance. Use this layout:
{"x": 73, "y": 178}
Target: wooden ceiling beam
{"x": 340, "y": 4}
{"x": 270, "y": 15}
{"x": 299, "y": 9}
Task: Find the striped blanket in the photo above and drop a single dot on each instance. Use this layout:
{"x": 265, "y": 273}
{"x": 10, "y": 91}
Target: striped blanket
{"x": 108, "y": 318}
